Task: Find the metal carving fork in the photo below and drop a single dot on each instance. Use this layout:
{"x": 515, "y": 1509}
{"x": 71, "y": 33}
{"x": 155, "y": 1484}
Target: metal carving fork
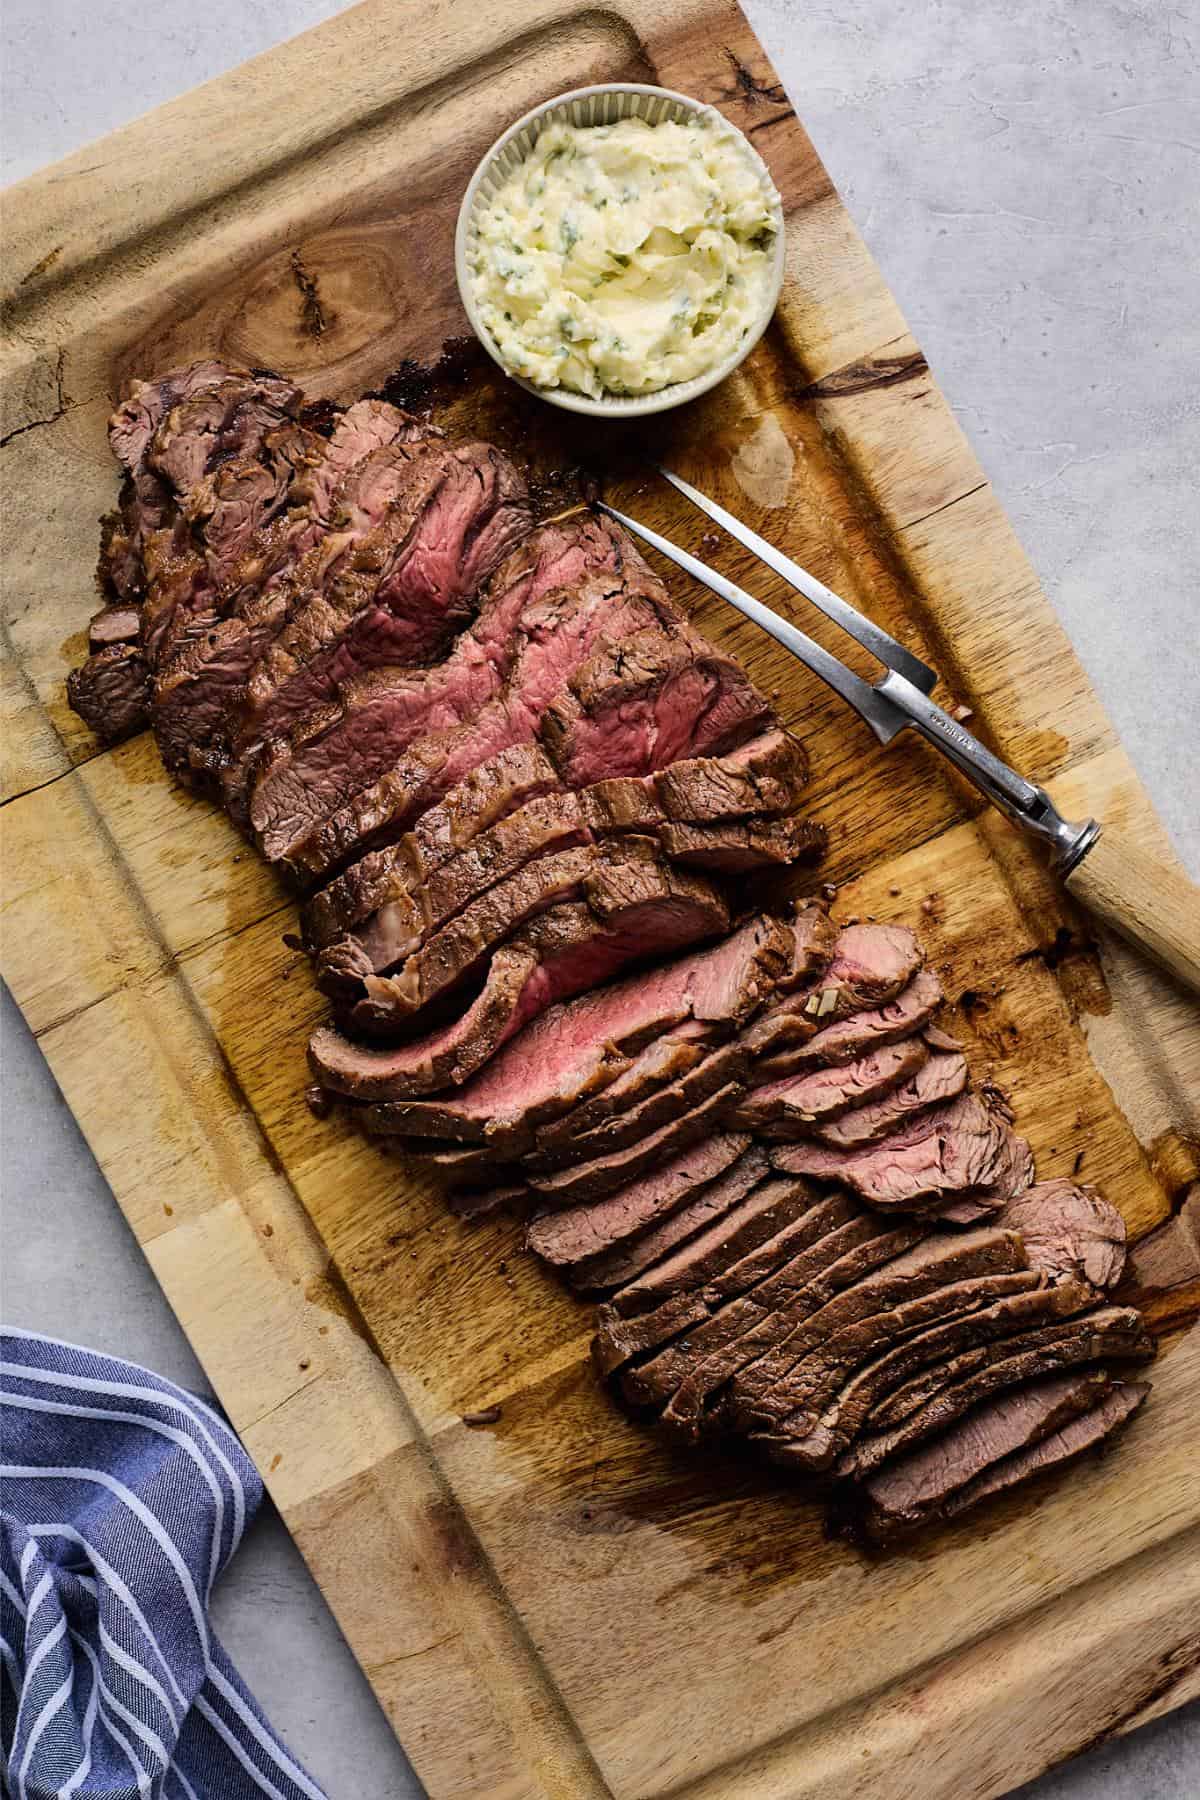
{"x": 1155, "y": 908}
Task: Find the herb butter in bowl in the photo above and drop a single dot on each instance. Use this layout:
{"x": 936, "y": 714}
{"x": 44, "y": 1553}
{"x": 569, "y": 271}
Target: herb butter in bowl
{"x": 620, "y": 249}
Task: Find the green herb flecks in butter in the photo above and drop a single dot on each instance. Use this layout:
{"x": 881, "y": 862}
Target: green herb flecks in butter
{"x": 648, "y": 248}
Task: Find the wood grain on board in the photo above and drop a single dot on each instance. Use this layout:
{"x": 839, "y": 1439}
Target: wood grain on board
{"x": 559, "y": 1605}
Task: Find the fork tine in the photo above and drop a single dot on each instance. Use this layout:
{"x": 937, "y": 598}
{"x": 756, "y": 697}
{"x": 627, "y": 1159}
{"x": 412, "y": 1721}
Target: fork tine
{"x": 879, "y": 710}
{"x": 871, "y": 636}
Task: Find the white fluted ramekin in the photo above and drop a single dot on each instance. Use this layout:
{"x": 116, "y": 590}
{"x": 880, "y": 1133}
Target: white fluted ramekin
{"x": 604, "y": 106}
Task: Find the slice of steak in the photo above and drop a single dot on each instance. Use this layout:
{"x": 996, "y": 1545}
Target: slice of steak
{"x": 1069, "y": 1441}
{"x": 791, "y": 1107}
{"x": 704, "y": 1310}
{"x": 923, "y": 1484}
{"x": 763, "y": 1210}
{"x": 704, "y": 1399}
{"x": 364, "y": 427}
{"x": 851, "y": 1038}
{"x": 487, "y": 798}
{"x": 870, "y": 963}
{"x": 405, "y": 587}
{"x": 1112, "y": 1334}
{"x": 810, "y": 1370}
{"x": 489, "y": 694}
{"x": 774, "y": 1379}
{"x": 963, "y": 1151}
{"x": 120, "y": 624}
{"x": 645, "y": 1076}
{"x": 563, "y": 952}
{"x": 1071, "y": 1232}
{"x": 626, "y": 1107}
{"x": 216, "y": 424}
{"x": 482, "y": 1202}
{"x": 866, "y": 1395}
{"x": 579, "y": 1187}
{"x": 568, "y": 1237}
{"x": 579, "y": 1048}
{"x": 698, "y": 1077}
{"x": 737, "y": 847}
{"x": 814, "y": 936}
{"x": 135, "y": 421}
{"x": 611, "y": 878}
{"x": 205, "y": 681}
{"x": 942, "y": 1077}
{"x": 446, "y": 1054}
{"x": 645, "y": 700}
{"x": 146, "y": 504}
{"x": 756, "y": 1283}
{"x": 480, "y": 800}
{"x": 720, "y": 1201}
{"x": 765, "y": 775}
{"x": 403, "y": 919}
{"x": 111, "y": 692}
{"x": 119, "y": 573}
{"x": 728, "y": 984}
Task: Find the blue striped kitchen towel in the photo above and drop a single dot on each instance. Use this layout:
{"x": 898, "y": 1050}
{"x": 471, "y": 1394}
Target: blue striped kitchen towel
{"x": 123, "y": 1498}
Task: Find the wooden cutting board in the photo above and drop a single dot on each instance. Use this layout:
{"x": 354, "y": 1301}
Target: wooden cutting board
{"x": 557, "y": 1605}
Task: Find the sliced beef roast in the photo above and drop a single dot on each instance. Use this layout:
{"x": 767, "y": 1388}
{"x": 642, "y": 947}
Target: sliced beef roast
{"x": 790, "y": 1108}
{"x": 751, "y": 1327}
{"x": 117, "y": 624}
{"x": 846, "y": 1040}
{"x": 692, "y": 1115}
{"x": 815, "y": 1443}
{"x": 576, "y": 1050}
{"x": 870, "y": 963}
{"x": 645, "y": 1076}
{"x": 612, "y": 878}
{"x": 738, "y": 846}
{"x": 960, "y": 1151}
{"x": 464, "y": 711}
{"x": 199, "y": 693}
{"x": 453, "y": 514}
{"x": 581, "y": 1232}
{"x": 507, "y": 752}
{"x": 719, "y": 1201}
{"x": 937, "y": 1479}
{"x": 565, "y": 951}
{"x": 797, "y": 1363}
{"x": 1111, "y": 1334}
{"x": 404, "y": 919}
{"x": 773, "y": 1203}
{"x": 646, "y": 700}
{"x": 1071, "y": 1232}
{"x": 111, "y": 692}
{"x": 887, "y": 1516}
{"x": 941, "y": 1077}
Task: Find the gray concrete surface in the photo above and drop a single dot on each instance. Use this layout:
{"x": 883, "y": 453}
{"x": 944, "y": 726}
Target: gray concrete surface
{"x": 1027, "y": 176}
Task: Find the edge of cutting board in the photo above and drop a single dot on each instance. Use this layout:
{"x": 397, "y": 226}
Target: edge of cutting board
{"x": 235, "y": 1252}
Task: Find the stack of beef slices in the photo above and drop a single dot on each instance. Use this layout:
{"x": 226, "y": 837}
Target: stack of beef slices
{"x": 530, "y": 807}
{"x": 805, "y": 1230}
{"x": 505, "y": 761}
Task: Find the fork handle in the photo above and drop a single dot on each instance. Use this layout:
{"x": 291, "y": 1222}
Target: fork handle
{"x": 1157, "y": 909}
